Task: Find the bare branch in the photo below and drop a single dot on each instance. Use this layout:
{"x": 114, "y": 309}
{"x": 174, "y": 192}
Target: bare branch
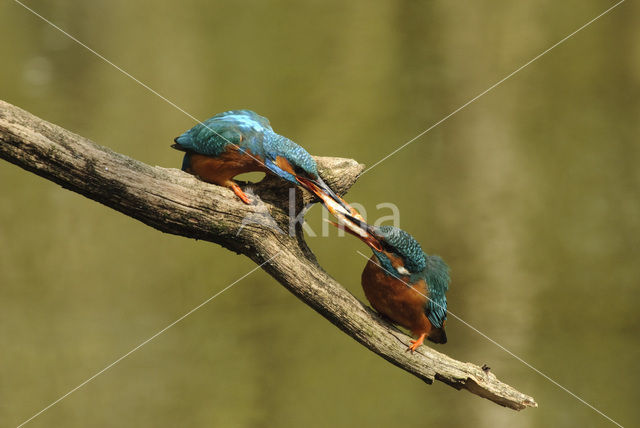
{"x": 178, "y": 203}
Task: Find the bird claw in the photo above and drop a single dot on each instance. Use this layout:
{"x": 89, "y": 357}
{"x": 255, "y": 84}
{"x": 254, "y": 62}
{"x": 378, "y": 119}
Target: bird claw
{"x": 239, "y": 193}
{"x": 413, "y": 347}
{"x": 415, "y": 344}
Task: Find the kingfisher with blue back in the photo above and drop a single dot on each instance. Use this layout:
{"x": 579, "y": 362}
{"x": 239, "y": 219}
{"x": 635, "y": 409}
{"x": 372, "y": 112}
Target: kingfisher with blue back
{"x": 403, "y": 283}
{"x": 239, "y": 141}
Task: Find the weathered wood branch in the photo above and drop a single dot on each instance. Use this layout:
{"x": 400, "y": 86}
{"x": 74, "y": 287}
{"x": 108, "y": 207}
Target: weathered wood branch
{"x": 178, "y": 203}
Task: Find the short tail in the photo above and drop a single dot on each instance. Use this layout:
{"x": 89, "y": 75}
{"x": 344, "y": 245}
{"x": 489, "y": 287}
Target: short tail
{"x": 437, "y": 335}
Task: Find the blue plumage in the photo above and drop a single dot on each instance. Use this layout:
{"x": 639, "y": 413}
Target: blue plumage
{"x": 403, "y": 245}
{"x": 437, "y": 277}
{"x": 420, "y": 266}
{"x": 242, "y": 128}
{"x": 251, "y": 134}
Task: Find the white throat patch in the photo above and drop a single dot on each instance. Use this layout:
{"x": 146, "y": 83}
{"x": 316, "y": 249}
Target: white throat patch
{"x": 402, "y": 270}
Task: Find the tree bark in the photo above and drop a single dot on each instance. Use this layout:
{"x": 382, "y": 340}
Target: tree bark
{"x": 175, "y": 202}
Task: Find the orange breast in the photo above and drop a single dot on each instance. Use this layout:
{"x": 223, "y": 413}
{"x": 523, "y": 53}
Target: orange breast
{"x": 394, "y": 299}
{"x": 220, "y": 170}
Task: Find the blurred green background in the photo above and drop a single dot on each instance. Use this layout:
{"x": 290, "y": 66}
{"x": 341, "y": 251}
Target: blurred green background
{"x": 531, "y": 194}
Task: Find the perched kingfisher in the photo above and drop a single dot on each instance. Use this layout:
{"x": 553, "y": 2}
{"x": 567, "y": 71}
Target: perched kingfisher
{"x": 239, "y": 141}
{"x": 403, "y": 283}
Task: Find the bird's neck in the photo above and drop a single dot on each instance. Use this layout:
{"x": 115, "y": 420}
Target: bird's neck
{"x": 387, "y": 262}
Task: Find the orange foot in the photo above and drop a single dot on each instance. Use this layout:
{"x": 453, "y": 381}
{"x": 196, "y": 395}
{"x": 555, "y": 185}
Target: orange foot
{"x": 416, "y": 343}
{"x": 238, "y": 191}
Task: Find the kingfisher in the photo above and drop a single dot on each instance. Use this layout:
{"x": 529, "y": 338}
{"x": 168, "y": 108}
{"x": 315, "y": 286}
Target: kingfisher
{"x": 239, "y": 141}
{"x": 403, "y": 283}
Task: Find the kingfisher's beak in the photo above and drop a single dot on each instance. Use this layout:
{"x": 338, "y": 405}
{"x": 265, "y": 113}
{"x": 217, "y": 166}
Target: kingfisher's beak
{"x": 334, "y": 203}
{"x": 360, "y": 230}
{"x": 348, "y": 218}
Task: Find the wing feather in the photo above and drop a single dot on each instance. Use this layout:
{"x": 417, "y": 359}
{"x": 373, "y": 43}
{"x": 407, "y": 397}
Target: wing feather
{"x": 437, "y": 277}
{"x": 241, "y": 128}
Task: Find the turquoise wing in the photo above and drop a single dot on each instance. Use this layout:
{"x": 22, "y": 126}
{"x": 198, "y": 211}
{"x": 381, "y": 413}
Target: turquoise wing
{"x": 249, "y": 116}
{"x": 242, "y": 128}
{"x": 437, "y": 276}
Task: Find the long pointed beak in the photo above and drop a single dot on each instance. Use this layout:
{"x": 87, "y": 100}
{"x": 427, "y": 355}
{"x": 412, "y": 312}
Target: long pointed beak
{"x": 360, "y": 230}
{"x": 334, "y": 203}
{"x": 348, "y": 218}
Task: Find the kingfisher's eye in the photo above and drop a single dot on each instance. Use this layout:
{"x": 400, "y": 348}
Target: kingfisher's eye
{"x": 402, "y": 270}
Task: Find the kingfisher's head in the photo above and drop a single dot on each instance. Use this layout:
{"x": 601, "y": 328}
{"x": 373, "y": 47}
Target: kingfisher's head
{"x": 401, "y": 255}
{"x": 398, "y": 252}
